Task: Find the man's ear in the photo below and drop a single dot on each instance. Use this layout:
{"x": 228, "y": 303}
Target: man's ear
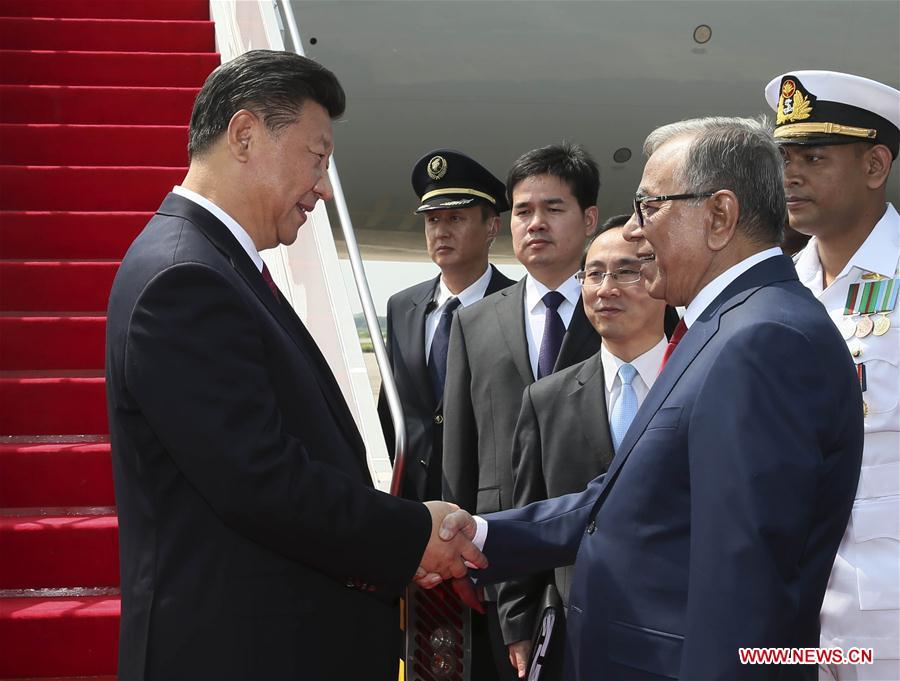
{"x": 591, "y": 215}
{"x": 724, "y": 212}
{"x": 877, "y": 166}
{"x": 243, "y": 129}
{"x": 493, "y": 228}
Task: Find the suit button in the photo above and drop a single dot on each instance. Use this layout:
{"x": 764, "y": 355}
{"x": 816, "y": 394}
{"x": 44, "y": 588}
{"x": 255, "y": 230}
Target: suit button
{"x": 591, "y": 527}
{"x": 439, "y": 419}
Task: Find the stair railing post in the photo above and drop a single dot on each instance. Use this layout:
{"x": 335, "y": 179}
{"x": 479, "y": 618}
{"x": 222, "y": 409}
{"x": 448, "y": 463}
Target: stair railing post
{"x": 362, "y": 286}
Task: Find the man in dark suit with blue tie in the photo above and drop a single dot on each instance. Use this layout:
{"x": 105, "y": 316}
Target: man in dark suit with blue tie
{"x": 461, "y": 203}
{"x": 716, "y": 525}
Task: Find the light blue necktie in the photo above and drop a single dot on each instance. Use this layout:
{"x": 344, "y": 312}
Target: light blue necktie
{"x": 625, "y": 407}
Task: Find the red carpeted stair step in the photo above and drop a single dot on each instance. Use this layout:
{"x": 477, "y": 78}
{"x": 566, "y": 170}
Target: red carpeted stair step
{"x": 96, "y": 104}
{"x": 66, "y": 635}
{"x": 55, "y": 285}
{"x": 77, "y": 548}
{"x": 126, "y": 35}
{"x": 57, "y": 472}
{"x": 96, "y": 188}
{"x": 108, "y": 9}
{"x": 87, "y": 235}
{"x": 148, "y": 69}
{"x": 93, "y": 145}
{"x": 52, "y": 403}
{"x": 51, "y": 342}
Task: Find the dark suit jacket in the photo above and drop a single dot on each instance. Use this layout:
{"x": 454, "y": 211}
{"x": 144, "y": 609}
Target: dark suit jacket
{"x": 717, "y": 523}
{"x": 406, "y": 312}
{"x": 487, "y": 371}
{"x": 561, "y": 443}
{"x": 244, "y": 499}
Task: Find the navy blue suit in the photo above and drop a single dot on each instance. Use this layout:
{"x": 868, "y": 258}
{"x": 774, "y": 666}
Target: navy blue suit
{"x": 718, "y": 520}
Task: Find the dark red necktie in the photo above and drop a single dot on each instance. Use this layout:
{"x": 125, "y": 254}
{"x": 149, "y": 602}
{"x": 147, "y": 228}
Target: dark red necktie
{"x": 677, "y": 334}
{"x": 271, "y": 282}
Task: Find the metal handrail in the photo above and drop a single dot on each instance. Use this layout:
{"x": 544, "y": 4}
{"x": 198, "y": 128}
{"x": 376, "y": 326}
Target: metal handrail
{"x": 362, "y": 286}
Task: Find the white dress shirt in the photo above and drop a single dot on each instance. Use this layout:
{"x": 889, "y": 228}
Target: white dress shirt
{"x": 239, "y": 233}
{"x": 535, "y": 312}
{"x": 647, "y": 366}
{"x": 471, "y": 294}
{"x": 709, "y": 292}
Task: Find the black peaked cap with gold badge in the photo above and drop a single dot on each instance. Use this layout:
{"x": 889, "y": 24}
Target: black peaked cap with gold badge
{"x": 827, "y": 107}
{"x": 445, "y": 179}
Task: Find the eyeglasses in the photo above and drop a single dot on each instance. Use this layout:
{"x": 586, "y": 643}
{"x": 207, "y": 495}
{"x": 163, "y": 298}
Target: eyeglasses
{"x": 594, "y": 278}
{"x": 639, "y": 202}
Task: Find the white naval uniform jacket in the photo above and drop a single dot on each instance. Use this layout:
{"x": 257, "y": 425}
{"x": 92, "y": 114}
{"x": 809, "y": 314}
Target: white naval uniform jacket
{"x": 863, "y": 598}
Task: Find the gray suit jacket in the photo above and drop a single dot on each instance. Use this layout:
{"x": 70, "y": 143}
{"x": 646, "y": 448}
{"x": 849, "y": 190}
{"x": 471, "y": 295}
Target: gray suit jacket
{"x": 561, "y": 443}
{"x": 423, "y": 412}
{"x": 487, "y": 370}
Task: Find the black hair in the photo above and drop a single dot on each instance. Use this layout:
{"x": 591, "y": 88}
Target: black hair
{"x": 274, "y": 85}
{"x": 571, "y": 163}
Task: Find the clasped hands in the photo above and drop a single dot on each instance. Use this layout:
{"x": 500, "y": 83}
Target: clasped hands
{"x": 450, "y": 552}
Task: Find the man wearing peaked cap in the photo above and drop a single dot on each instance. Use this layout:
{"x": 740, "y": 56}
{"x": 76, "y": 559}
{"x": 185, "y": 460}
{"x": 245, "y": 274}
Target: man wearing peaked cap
{"x": 446, "y": 179}
{"x": 839, "y": 136}
{"x": 461, "y": 202}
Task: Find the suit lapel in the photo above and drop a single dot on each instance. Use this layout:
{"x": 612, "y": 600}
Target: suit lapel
{"x": 588, "y": 395}
{"x": 497, "y": 282}
{"x": 578, "y": 335}
{"x": 510, "y": 306}
{"x": 225, "y": 242}
{"x": 775, "y": 269}
{"x": 411, "y": 337}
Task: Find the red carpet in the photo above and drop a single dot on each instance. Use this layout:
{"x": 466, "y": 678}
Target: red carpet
{"x": 93, "y": 145}
{"x": 94, "y": 104}
{"x": 95, "y": 96}
{"x": 74, "y": 473}
{"x": 95, "y": 235}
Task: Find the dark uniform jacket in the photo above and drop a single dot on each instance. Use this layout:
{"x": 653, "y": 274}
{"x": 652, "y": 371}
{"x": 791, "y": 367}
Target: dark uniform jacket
{"x": 406, "y": 312}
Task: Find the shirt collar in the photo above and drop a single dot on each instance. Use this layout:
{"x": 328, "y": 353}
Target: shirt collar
{"x": 709, "y": 292}
{"x": 878, "y": 253}
{"x": 535, "y": 291}
{"x": 471, "y": 294}
{"x": 647, "y": 364}
{"x": 236, "y": 230}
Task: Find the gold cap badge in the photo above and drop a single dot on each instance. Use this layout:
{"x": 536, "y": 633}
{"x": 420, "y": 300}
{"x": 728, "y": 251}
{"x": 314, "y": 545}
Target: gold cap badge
{"x": 437, "y": 167}
{"x": 792, "y": 105}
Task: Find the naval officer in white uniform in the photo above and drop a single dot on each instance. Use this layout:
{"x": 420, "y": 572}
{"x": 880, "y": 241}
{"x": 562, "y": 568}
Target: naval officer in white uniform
{"x": 839, "y": 136}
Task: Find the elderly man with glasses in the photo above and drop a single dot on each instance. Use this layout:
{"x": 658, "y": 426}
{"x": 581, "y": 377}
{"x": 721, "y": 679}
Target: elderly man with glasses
{"x": 716, "y": 525}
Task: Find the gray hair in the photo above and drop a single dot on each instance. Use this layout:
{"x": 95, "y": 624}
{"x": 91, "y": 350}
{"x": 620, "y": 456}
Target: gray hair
{"x": 739, "y": 154}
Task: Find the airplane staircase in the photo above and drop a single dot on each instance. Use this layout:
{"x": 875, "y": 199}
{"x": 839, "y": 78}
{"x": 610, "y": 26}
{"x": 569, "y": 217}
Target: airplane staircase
{"x": 95, "y": 96}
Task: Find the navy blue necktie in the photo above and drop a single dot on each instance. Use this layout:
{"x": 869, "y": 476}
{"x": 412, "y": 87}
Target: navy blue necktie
{"x": 554, "y": 330}
{"x": 437, "y": 358}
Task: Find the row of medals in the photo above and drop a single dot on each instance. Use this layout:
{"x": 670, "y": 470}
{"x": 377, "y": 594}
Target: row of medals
{"x": 863, "y": 326}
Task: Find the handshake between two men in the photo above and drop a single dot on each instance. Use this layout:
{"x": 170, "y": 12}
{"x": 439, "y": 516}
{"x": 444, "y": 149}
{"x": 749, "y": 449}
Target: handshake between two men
{"x": 451, "y": 552}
